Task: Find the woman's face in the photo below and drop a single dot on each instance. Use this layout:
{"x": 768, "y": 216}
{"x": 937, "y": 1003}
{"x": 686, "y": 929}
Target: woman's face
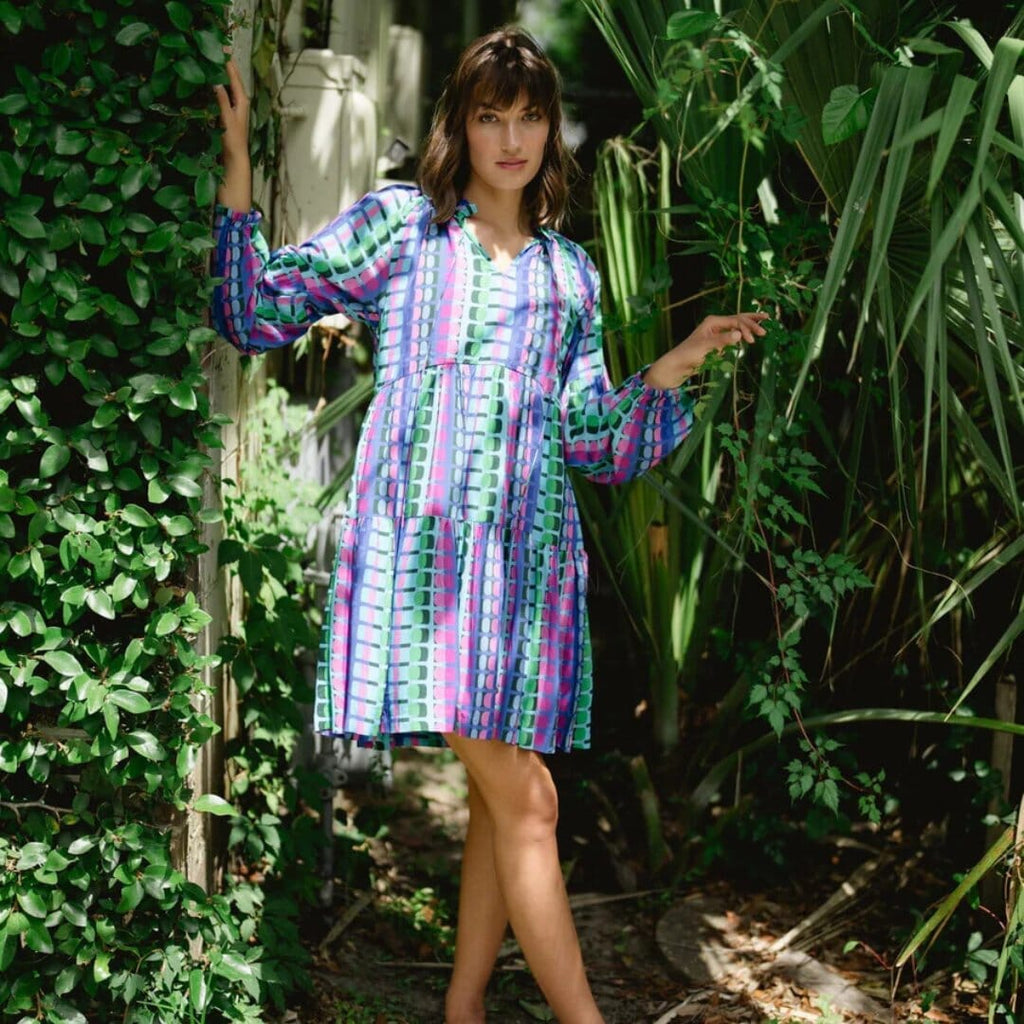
{"x": 506, "y": 147}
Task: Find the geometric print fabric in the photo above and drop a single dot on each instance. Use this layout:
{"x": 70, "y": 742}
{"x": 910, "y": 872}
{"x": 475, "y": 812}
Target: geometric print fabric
{"x": 458, "y": 597}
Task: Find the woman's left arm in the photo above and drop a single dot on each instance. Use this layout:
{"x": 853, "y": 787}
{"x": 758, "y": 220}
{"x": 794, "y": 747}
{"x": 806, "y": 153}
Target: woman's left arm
{"x": 612, "y": 434}
{"x": 712, "y": 334}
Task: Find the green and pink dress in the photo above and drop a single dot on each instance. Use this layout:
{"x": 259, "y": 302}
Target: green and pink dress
{"x": 458, "y": 597}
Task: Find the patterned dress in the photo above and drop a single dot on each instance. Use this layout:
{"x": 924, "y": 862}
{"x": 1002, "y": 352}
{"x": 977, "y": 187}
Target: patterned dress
{"x": 458, "y": 598}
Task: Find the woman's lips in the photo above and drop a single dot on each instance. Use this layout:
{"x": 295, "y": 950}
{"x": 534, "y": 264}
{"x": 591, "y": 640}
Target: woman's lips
{"x": 512, "y": 165}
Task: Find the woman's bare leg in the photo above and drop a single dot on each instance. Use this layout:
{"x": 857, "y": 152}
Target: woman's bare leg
{"x": 482, "y": 918}
{"x": 517, "y": 789}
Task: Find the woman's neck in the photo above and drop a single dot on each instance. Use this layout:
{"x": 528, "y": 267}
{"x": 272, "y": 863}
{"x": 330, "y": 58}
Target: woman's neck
{"x": 501, "y": 209}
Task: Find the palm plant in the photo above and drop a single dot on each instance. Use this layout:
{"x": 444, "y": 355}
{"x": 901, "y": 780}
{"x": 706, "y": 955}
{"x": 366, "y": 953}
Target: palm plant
{"x": 925, "y": 255}
{"x": 913, "y": 133}
{"x": 653, "y": 545}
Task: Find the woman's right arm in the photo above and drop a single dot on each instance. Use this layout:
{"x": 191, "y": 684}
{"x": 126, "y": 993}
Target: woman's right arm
{"x": 236, "y": 190}
{"x": 266, "y": 299}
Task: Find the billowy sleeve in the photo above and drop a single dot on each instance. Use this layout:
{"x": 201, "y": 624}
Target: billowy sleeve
{"x": 268, "y": 299}
{"x": 614, "y": 433}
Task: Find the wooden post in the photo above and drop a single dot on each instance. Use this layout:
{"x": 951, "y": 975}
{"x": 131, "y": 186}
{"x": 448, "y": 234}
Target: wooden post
{"x": 198, "y": 842}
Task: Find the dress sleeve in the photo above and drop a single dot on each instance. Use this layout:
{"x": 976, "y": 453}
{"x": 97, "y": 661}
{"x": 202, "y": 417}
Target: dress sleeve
{"x": 268, "y": 299}
{"x": 613, "y": 434}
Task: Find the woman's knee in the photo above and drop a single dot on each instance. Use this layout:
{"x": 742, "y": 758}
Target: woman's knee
{"x": 514, "y": 786}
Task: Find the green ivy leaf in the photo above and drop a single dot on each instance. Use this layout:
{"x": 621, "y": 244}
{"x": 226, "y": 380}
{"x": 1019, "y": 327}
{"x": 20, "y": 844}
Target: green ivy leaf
{"x": 123, "y": 586}
{"x": 185, "y": 486}
{"x": 135, "y": 515}
{"x": 10, "y": 18}
{"x": 205, "y": 188}
{"x": 130, "y": 701}
{"x": 32, "y": 855}
{"x": 13, "y": 103}
{"x": 166, "y": 622}
{"x": 210, "y": 803}
{"x": 183, "y": 396}
{"x": 180, "y": 15}
{"x": 65, "y": 1013}
{"x": 37, "y": 938}
{"x": 28, "y": 225}
{"x": 81, "y": 310}
{"x": 178, "y": 526}
{"x": 189, "y": 70}
{"x": 32, "y": 903}
{"x": 54, "y": 459}
{"x": 138, "y": 286}
{"x": 100, "y": 602}
{"x": 146, "y": 744}
{"x": 10, "y": 174}
{"x": 132, "y": 180}
{"x": 133, "y": 34}
{"x": 211, "y": 46}
{"x": 63, "y": 662}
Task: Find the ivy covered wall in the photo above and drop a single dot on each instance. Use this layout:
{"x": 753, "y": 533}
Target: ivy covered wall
{"x": 107, "y": 172}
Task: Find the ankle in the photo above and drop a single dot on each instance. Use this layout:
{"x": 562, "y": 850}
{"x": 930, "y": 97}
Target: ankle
{"x": 460, "y": 1010}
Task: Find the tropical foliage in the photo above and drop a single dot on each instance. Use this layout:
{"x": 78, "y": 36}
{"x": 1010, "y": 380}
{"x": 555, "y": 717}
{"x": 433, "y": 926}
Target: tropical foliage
{"x": 902, "y": 136}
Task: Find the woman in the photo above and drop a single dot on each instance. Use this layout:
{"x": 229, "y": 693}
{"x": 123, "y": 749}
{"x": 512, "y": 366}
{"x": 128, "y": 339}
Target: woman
{"x": 457, "y": 608}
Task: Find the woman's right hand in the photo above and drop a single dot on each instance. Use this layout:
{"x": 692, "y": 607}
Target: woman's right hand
{"x": 236, "y": 190}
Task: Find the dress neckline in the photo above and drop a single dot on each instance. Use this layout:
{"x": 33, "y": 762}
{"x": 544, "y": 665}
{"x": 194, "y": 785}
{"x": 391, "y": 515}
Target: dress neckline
{"x": 464, "y": 210}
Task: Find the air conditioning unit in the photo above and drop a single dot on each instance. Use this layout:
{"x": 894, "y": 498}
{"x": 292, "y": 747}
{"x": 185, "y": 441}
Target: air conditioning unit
{"x": 402, "y": 107}
{"x": 328, "y": 141}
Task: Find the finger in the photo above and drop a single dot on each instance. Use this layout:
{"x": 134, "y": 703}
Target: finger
{"x": 224, "y": 104}
{"x": 237, "y": 86}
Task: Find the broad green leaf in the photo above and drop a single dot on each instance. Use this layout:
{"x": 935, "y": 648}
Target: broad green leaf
{"x": 132, "y": 180}
{"x": 31, "y": 856}
{"x": 138, "y": 287}
{"x": 183, "y": 396}
{"x": 205, "y": 188}
{"x": 130, "y": 701}
{"x": 32, "y": 903}
{"x": 210, "y": 803}
{"x": 100, "y": 602}
{"x": 10, "y": 174}
{"x": 189, "y": 69}
{"x": 178, "y": 526}
{"x": 684, "y": 24}
{"x": 37, "y": 938}
{"x": 180, "y": 15}
{"x": 211, "y": 46}
{"x": 146, "y": 744}
{"x": 846, "y": 113}
{"x": 136, "y": 515}
{"x": 166, "y": 623}
{"x": 63, "y": 662}
{"x": 54, "y": 459}
{"x": 133, "y": 34}
{"x": 25, "y": 224}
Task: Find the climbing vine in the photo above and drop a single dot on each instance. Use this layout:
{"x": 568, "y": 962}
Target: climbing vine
{"x": 106, "y": 178}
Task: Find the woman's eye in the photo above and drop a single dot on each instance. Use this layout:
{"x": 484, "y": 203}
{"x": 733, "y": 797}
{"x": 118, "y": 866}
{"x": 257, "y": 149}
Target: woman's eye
{"x": 487, "y": 118}
{"x": 532, "y": 116}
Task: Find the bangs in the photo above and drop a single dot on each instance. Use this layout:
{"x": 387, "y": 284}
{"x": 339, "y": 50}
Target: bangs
{"x": 507, "y": 73}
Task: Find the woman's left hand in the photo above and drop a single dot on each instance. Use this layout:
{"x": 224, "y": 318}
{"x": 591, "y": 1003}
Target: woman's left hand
{"x": 712, "y": 334}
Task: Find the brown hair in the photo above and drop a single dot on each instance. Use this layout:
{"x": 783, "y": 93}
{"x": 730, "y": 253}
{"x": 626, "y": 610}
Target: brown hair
{"x": 496, "y": 70}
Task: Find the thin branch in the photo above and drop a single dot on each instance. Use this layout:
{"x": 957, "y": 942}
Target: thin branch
{"x": 16, "y": 807}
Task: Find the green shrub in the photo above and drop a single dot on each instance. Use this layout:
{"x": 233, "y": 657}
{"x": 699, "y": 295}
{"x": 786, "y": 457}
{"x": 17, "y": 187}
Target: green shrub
{"x": 106, "y": 177}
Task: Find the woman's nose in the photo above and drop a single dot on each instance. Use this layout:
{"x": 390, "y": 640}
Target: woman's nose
{"x": 510, "y": 137}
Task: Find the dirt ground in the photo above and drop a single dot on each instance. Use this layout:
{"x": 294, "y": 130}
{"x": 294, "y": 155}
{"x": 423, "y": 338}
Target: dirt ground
{"x": 711, "y": 954}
